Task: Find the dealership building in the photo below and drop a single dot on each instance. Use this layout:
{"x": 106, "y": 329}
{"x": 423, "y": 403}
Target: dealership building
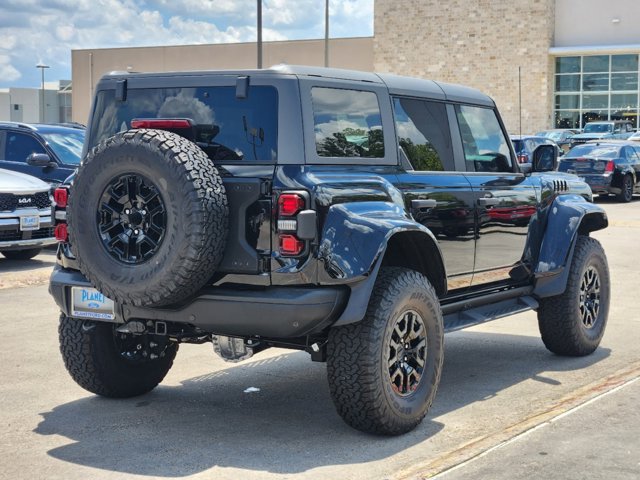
{"x": 546, "y": 63}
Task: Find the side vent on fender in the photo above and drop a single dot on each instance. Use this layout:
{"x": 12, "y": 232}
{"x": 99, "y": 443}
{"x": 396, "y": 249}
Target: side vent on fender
{"x": 560, "y": 186}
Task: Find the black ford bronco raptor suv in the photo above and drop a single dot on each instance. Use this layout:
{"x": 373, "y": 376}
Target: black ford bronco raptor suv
{"x": 352, "y": 215}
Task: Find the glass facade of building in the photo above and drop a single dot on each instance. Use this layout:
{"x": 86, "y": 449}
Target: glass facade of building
{"x": 596, "y": 87}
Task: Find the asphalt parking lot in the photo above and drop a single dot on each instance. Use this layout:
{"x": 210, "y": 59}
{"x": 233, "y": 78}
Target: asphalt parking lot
{"x": 500, "y": 388}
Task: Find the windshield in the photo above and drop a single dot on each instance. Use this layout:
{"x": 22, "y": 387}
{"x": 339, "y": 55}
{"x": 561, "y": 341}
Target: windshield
{"x": 66, "y": 145}
{"x": 594, "y": 151}
{"x": 551, "y": 135}
{"x": 225, "y": 127}
{"x": 598, "y": 128}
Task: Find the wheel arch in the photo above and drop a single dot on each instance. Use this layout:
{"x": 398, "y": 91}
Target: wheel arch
{"x": 418, "y": 251}
{"x": 412, "y": 248}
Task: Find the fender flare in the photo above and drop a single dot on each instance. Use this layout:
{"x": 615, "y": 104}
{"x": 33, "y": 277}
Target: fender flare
{"x": 568, "y": 216}
{"x": 353, "y": 245}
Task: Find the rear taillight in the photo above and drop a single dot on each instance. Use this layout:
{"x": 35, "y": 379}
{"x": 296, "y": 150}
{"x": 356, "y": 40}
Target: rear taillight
{"x": 60, "y": 196}
{"x": 291, "y": 211}
{"x": 160, "y": 123}
{"x": 61, "y": 200}
{"x": 610, "y": 166}
{"x": 523, "y": 158}
{"x": 61, "y": 232}
{"x": 290, "y": 245}
{"x": 289, "y": 204}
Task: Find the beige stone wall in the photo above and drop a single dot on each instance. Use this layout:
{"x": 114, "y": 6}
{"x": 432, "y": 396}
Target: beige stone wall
{"x": 479, "y": 43}
{"x": 89, "y": 65}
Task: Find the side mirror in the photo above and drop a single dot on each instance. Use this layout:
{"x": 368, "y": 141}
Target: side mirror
{"x": 40, "y": 160}
{"x": 545, "y": 158}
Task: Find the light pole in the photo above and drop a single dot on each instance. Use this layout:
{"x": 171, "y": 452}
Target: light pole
{"x": 42, "y": 66}
{"x": 326, "y": 33}
{"x": 259, "y": 28}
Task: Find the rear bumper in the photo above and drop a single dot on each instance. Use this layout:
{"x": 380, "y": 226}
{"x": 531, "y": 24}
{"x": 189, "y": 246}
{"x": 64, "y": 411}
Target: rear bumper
{"x": 600, "y": 183}
{"x": 274, "y": 312}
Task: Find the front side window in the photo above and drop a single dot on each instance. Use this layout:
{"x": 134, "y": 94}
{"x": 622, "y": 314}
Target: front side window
{"x": 227, "y": 128}
{"x": 423, "y": 133}
{"x": 485, "y": 146}
{"x": 20, "y": 146}
{"x": 67, "y": 146}
{"x": 347, "y": 123}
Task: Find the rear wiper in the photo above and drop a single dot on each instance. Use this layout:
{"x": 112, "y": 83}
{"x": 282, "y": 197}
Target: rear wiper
{"x": 255, "y": 136}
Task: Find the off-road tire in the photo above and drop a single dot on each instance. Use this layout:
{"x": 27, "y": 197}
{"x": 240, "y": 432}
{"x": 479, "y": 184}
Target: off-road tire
{"x": 26, "y": 254}
{"x": 195, "y": 226}
{"x": 626, "y": 189}
{"x": 560, "y": 319}
{"x": 358, "y": 357}
{"x": 93, "y": 361}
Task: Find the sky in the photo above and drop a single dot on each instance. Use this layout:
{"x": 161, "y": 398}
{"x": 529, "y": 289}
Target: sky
{"x": 45, "y": 31}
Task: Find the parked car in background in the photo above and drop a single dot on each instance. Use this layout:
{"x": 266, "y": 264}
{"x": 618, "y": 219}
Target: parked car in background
{"x": 562, "y": 137}
{"x": 524, "y": 145}
{"x": 25, "y": 215}
{"x": 48, "y": 152}
{"x": 611, "y": 167}
{"x": 620, "y": 129}
{"x": 635, "y": 137}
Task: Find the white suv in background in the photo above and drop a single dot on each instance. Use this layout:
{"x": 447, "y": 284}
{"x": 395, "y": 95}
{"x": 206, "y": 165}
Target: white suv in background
{"x": 26, "y": 224}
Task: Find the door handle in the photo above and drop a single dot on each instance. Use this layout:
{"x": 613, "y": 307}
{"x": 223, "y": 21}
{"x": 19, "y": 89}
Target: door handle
{"x": 488, "y": 201}
{"x": 428, "y": 203}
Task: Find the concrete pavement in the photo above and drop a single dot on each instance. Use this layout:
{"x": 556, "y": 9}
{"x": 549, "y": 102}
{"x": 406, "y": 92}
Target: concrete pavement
{"x": 597, "y": 440}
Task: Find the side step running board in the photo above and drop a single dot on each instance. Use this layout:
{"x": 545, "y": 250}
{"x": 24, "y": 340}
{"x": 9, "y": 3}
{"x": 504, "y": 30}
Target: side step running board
{"x": 485, "y": 313}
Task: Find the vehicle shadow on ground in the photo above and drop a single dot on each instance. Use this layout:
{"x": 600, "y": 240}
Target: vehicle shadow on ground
{"x": 606, "y": 199}
{"x": 45, "y": 259}
{"x": 290, "y": 425}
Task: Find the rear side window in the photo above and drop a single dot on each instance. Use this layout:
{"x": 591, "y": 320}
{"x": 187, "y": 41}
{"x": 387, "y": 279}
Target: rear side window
{"x": 347, "y": 123}
{"x": 423, "y": 133}
{"x": 485, "y": 146}
{"x": 227, "y": 128}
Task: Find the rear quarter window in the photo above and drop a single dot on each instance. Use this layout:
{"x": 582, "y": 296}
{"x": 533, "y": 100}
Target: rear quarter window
{"x": 227, "y": 128}
{"x": 347, "y": 123}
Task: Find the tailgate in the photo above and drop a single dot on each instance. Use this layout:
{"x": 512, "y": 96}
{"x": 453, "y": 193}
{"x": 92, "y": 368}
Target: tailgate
{"x": 248, "y": 247}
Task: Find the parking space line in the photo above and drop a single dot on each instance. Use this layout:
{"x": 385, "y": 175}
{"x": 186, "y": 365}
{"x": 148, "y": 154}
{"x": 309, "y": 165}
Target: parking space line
{"x": 479, "y": 447}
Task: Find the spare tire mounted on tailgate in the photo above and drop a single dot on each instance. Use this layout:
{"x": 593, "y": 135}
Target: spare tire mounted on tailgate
{"x": 148, "y": 217}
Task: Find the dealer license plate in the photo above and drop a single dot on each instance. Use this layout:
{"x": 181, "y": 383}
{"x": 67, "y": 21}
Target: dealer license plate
{"x": 90, "y": 303}
{"x": 29, "y": 222}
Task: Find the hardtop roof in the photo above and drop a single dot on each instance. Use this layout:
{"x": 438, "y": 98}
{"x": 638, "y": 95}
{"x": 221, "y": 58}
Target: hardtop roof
{"x": 396, "y": 84}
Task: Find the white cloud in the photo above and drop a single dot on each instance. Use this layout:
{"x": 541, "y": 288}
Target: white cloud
{"x": 8, "y": 71}
{"x": 63, "y": 25}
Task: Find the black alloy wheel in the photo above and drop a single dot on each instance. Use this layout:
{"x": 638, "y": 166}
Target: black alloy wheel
{"x": 590, "y": 297}
{"x": 626, "y": 193}
{"x": 131, "y": 219}
{"x": 407, "y": 353}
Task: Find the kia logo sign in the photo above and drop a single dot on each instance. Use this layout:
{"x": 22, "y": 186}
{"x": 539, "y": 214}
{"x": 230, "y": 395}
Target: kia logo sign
{"x": 24, "y": 200}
